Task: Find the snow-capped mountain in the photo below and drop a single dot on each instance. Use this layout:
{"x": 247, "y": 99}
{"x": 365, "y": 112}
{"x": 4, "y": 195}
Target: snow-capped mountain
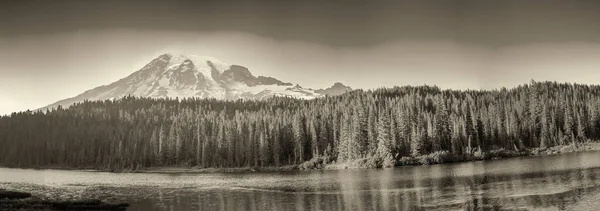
{"x": 195, "y": 76}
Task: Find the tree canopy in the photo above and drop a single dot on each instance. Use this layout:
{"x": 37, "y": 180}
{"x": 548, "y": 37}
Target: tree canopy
{"x": 394, "y": 122}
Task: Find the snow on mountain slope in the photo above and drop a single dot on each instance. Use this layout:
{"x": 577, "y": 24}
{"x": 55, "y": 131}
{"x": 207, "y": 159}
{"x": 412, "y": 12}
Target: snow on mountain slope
{"x": 186, "y": 76}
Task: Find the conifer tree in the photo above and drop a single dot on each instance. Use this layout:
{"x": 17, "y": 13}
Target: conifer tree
{"x": 383, "y": 137}
{"x": 133, "y": 132}
{"x": 416, "y": 143}
{"x": 442, "y": 128}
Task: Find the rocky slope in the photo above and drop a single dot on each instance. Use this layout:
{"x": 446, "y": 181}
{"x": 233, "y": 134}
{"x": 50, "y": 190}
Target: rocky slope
{"x": 186, "y": 76}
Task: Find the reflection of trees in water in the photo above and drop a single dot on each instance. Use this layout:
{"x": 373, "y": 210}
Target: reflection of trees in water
{"x": 500, "y": 191}
{"x": 403, "y": 189}
{"x": 419, "y": 173}
{"x": 371, "y": 191}
{"x": 350, "y": 190}
{"x": 581, "y": 183}
{"x": 391, "y": 192}
{"x": 199, "y": 198}
{"x": 546, "y": 190}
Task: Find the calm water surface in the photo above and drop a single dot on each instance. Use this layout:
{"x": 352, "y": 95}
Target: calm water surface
{"x": 559, "y": 182}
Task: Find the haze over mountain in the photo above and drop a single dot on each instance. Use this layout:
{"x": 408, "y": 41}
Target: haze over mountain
{"x": 185, "y": 76}
{"x": 50, "y": 50}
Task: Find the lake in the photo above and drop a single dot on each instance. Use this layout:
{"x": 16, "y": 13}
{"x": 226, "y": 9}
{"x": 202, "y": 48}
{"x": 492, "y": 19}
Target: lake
{"x": 557, "y": 182}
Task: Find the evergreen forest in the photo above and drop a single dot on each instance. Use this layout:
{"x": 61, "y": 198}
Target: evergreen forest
{"x": 385, "y": 125}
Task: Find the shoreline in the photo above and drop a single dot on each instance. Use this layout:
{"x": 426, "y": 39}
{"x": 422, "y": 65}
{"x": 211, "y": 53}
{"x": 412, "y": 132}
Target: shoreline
{"x": 491, "y": 155}
{"x": 176, "y": 170}
{"x": 562, "y": 149}
{"x": 19, "y": 200}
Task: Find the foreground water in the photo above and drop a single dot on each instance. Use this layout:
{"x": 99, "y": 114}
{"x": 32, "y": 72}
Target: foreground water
{"x": 558, "y": 182}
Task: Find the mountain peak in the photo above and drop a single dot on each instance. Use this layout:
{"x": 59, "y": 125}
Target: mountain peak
{"x": 337, "y": 89}
{"x": 198, "y": 61}
{"x": 178, "y": 75}
{"x": 340, "y": 85}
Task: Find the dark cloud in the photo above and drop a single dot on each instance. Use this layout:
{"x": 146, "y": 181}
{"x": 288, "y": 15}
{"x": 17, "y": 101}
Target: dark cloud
{"x": 334, "y": 23}
{"x": 51, "y": 50}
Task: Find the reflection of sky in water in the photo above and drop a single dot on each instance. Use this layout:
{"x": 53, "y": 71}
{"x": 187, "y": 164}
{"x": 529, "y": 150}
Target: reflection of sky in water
{"x": 568, "y": 181}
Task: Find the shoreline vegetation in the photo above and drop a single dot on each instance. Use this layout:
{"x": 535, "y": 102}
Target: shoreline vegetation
{"x": 443, "y": 157}
{"x": 410, "y": 125}
{"x": 17, "y": 200}
{"x": 371, "y": 163}
{"x": 323, "y": 163}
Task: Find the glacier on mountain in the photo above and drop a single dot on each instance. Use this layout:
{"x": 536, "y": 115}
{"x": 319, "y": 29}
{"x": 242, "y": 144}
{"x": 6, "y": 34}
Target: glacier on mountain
{"x": 186, "y": 76}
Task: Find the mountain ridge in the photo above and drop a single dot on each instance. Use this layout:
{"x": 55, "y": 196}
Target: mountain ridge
{"x": 184, "y": 76}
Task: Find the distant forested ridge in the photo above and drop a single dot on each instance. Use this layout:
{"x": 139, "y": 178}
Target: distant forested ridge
{"x": 385, "y": 124}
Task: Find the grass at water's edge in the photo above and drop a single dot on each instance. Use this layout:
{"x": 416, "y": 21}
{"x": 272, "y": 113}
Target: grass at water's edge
{"x": 442, "y": 157}
{"x": 327, "y": 163}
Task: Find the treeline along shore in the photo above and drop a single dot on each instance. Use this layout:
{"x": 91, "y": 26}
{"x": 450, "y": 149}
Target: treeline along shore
{"x": 379, "y": 128}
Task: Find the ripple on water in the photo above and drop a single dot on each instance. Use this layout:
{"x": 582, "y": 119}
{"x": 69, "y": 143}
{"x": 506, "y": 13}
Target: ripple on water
{"x": 563, "y": 182}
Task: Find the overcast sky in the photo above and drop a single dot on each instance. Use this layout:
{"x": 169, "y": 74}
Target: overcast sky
{"x": 51, "y": 50}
